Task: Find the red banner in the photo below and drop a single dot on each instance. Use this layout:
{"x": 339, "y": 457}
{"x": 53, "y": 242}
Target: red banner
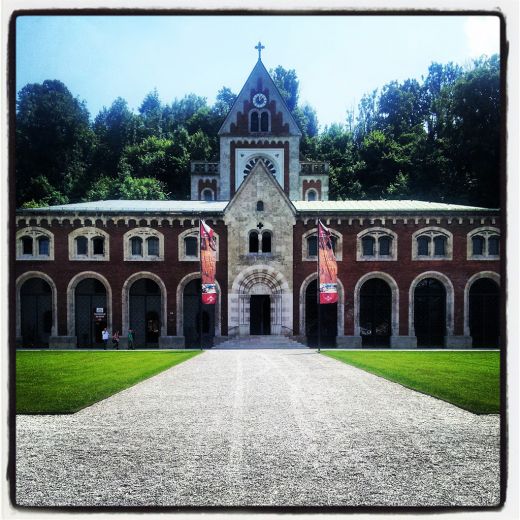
{"x": 208, "y": 263}
{"x": 327, "y": 267}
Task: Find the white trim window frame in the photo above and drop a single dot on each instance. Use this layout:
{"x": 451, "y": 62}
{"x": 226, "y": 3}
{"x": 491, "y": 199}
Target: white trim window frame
{"x": 486, "y": 233}
{"x": 34, "y": 233}
{"x": 338, "y": 253}
{"x": 145, "y": 234}
{"x": 90, "y": 233}
{"x": 192, "y": 232}
{"x": 432, "y": 233}
{"x": 376, "y": 233}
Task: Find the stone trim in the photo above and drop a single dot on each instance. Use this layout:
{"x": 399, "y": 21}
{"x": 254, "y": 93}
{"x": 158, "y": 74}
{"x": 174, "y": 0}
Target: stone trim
{"x": 314, "y": 231}
{"x": 486, "y": 232}
{"x": 483, "y": 274}
{"x": 194, "y": 231}
{"x": 71, "y": 299}
{"x": 432, "y": 232}
{"x": 395, "y": 300}
{"x": 19, "y": 282}
{"x": 376, "y": 233}
{"x": 341, "y": 305}
{"x": 180, "y": 304}
{"x": 90, "y": 233}
{"x": 144, "y": 233}
{"x": 450, "y": 303}
{"x": 260, "y": 279}
{"x": 34, "y": 232}
{"x": 126, "y": 299}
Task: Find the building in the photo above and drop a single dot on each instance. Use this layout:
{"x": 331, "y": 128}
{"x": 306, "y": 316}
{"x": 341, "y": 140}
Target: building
{"x": 411, "y": 273}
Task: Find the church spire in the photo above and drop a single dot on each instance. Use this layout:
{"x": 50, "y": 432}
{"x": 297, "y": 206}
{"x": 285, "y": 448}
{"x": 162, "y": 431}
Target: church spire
{"x": 259, "y": 47}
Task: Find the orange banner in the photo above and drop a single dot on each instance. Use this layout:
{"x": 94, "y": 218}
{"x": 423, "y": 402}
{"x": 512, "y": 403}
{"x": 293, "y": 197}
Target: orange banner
{"x": 327, "y": 267}
{"x": 208, "y": 263}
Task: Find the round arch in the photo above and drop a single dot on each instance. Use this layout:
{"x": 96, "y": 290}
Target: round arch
{"x": 483, "y": 274}
{"x": 180, "y": 303}
{"x": 126, "y": 298}
{"x": 448, "y": 286}
{"x": 395, "y": 300}
{"x": 260, "y": 279}
{"x": 71, "y": 299}
{"x": 19, "y": 282}
{"x": 341, "y": 304}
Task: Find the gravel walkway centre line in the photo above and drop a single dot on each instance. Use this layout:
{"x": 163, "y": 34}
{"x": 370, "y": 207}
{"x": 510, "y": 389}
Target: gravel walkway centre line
{"x": 260, "y": 428}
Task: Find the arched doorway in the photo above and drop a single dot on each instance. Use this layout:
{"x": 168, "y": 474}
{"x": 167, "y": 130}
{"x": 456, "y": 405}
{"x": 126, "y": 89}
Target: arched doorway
{"x": 191, "y": 317}
{"x": 484, "y": 313}
{"x": 90, "y": 298}
{"x": 35, "y": 313}
{"x": 430, "y": 313}
{"x": 375, "y": 313}
{"x": 145, "y": 312}
{"x": 329, "y": 319}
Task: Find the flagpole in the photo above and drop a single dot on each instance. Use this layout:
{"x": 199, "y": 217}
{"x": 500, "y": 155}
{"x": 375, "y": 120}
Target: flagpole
{"x": 318, "y": 285}
{"x": 200, "y": 269}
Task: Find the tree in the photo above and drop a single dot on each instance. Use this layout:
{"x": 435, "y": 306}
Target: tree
{"x": 224, "y": 102}
{"x": 54, "y": 140}
{"x": 288, "y": 85}
{"x": 151, "y": 112}
{"x": 115, "y": 128}
{"x": 126, "y": 188}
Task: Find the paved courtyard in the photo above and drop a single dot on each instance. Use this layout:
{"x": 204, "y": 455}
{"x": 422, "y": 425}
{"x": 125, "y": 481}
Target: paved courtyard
{"x": 260, "y": 428}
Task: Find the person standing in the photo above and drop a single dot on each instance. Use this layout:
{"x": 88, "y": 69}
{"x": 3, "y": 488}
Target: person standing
{"x": 105, "y": 335}
{"x": 131, "y": 339}
{"x": 115, "y": 340}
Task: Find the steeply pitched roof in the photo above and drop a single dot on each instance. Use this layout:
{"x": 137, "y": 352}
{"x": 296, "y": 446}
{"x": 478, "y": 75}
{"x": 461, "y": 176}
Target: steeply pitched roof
{"x": 259, "y": 70}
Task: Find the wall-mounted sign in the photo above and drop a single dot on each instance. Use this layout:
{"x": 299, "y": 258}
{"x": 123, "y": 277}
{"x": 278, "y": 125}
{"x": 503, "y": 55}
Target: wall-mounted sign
{"x": 100, "y": 314}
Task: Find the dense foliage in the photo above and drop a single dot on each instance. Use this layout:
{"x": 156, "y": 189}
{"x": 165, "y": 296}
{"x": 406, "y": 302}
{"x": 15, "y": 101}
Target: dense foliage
{"x": 437, "y": 139}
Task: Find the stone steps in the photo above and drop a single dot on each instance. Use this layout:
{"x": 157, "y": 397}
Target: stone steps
{"x": 259, "y": 342}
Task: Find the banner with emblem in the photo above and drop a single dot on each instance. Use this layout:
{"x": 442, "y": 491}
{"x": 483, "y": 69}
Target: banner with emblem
{"x": 327, "y": 266}
{"x": 208, "y": 263}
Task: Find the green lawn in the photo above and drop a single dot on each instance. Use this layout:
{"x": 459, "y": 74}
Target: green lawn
{"x": 470, "y": 380}
{"x": 65, "y": 382}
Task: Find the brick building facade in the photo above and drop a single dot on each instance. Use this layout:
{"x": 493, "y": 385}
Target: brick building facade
{"x": 411, "y": 273}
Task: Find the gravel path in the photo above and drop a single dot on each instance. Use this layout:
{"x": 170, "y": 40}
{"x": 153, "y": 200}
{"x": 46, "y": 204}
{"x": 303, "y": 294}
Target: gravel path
{"x": 263, "y": 427}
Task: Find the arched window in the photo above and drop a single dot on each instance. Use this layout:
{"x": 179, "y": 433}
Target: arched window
{"x": 98, "y": 244}
{"x": 376, "y": 243}
{"x": 433, "y": 243}
{"x": 483, "y": 244}
{"x": 423, "y": 246}
{"x": 264, "y": 122}
{"x": 191, "y": 246}
{"x": 311, "y": 195}
{"x": 312, "y": 246}
{"x": 152, "y": 246}
{"x": 439, "y": 245}
{"x": 89, "y": 243}
{"x": 207, "y": 195}
{"x": 368, "y": 244}
{"x": 494, "y": 245}
{"x": 137, "y": 246}
{"x": 81, "y": 245}
{"x": 266, "y": 242}
{"x": 44, "y": 246}
{"x": 27, "y": 245}
{"x": 253, "y": 242}
{"x": 259, "y": 206}
{"x": 255, "y": 124}
{"x": 385, "y": 246}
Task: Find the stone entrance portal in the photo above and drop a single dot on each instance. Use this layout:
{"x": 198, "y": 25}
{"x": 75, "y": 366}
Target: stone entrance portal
{"x": 260, "y": 309}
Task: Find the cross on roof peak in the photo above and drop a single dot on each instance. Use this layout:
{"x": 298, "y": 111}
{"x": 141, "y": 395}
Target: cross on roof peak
{"x": 259, "y": 48}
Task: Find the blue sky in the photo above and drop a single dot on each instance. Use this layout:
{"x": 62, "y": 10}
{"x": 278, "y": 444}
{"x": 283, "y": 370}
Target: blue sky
{"x": 337, "y": 58}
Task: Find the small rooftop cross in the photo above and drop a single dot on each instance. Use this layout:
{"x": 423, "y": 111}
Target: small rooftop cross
{"x": 259, "y": 47}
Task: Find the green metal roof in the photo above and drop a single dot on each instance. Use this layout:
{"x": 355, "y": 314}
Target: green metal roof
{"x": 135, "y": 206}
{"x": 199, "y": 206}
{"x": 361, "y": 206}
